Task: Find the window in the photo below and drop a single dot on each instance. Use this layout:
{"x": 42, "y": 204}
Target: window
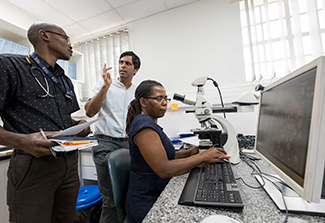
{"x": 7, "y": 46}
{"x": 103, "y": 49}
{"x": 279, "y": 36}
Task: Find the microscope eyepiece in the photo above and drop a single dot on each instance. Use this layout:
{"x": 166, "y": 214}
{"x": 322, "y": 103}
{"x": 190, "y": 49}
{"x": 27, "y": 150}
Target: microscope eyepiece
{"x": 179, "y": 97}
{"x": 182, "y": 98}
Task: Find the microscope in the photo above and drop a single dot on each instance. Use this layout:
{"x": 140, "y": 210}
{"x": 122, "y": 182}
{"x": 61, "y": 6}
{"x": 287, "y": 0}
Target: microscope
{"x": 209, "y": 133}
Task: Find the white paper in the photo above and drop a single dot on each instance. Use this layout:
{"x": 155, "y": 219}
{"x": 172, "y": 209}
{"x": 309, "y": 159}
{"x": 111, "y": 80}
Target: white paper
{"x": 76, "y": 128}
{"x": 194, "y": 140}
{"x": 63, "y": 148}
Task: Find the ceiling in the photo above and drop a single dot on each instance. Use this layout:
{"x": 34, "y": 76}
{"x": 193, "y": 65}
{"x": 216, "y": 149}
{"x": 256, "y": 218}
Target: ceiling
{"x": 83, "y": 19}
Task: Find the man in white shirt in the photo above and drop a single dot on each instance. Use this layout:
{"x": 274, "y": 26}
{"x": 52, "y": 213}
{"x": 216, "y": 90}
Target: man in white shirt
{"x": 111, "y": 97}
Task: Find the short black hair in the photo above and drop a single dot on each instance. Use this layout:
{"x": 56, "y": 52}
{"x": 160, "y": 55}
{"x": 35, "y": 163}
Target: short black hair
{"x": 33, "y": 31}
{"x": 135, "y": 59}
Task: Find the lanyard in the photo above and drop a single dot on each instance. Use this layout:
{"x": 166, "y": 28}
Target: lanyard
{"x": 69, "y": 94}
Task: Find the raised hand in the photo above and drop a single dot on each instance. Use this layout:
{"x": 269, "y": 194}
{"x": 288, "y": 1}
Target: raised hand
{"x": 107, "y": 75}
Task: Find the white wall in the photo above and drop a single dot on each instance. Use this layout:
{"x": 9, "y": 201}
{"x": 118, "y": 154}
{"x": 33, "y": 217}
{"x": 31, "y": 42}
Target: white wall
{"x": 178, "y": 46}
{"x": 196, "y": 40}
{"x": 10, "y": 14}
{"x": 14, "y": 24}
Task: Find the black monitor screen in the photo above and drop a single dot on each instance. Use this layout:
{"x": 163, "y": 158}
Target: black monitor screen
{"x": 284, "y": 124}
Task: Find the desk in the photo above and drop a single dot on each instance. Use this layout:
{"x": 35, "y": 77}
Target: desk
{"x": 258, "y": 206}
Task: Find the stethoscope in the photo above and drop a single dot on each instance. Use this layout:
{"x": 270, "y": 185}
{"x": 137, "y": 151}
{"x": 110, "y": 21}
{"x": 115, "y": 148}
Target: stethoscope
{"x": 47, "y": 90}
{"x": 68, "y": 92}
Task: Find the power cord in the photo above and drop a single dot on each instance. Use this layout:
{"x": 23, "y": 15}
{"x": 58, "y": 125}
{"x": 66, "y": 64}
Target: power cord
{"x": 221, "y": 100}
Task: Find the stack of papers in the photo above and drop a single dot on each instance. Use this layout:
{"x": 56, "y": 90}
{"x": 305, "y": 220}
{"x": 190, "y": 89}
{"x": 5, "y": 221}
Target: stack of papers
{"x": 68, "y": 143}
{"x": 5, "y": 150}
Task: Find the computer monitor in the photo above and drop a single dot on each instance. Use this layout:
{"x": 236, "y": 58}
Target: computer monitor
{"x": 290, "y": 136}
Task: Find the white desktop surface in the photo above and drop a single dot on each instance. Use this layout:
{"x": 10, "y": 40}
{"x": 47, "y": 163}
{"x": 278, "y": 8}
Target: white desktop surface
{"x": 258, "y": 205}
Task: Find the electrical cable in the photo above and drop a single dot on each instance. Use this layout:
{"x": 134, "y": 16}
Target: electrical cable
{"x": 284, "y": 202}
{"x": 217, "y": 86}
{"x": 249, "y": 141}
{"x": 257, "y": 171}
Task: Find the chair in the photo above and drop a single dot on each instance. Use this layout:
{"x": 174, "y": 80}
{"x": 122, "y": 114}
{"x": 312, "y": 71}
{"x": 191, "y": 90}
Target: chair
{"x": 118, "y": 163}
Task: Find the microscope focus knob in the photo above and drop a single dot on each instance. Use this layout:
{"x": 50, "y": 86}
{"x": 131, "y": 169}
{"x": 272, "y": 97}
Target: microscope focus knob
{"x": 206, "y": 111}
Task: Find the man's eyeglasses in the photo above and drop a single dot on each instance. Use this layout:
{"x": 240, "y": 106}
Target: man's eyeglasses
{"x": 64, "y": 36}
{"x": 159, "y": 98}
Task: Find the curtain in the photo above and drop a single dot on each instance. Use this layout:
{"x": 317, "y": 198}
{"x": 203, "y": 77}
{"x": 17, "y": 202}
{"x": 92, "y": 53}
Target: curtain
{"x": 280, "y": 36}
{"x": 104, "y": 49}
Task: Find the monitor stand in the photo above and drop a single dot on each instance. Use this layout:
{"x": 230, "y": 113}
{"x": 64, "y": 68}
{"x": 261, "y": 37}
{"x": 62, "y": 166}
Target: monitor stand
{"x": 293, "y": 201}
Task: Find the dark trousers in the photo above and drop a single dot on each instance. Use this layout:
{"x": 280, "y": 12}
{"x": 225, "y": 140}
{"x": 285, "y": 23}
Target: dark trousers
{"x": 42, "y": 190}
{"x": 100, "y": 152}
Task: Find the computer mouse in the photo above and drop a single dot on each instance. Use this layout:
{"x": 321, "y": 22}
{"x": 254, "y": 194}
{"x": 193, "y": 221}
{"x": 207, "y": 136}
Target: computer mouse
{"x": 218, "y": 219}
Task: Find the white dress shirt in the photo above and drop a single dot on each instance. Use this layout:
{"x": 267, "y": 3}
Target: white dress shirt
{"x": 115, "y": 106}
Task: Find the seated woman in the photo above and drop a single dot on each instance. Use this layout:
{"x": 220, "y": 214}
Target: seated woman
{"x": 153, "y": 157}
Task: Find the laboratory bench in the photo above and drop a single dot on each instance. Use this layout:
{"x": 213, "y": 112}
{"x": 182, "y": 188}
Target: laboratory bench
{"x": 258, "y": 206}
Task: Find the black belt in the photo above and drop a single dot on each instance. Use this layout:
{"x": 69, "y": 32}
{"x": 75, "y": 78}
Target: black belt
{"x": 112, "y": 138}
{"x": 22, "y": 152}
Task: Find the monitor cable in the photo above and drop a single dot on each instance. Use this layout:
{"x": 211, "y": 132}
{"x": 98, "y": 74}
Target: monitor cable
{"x": 277, "y": 187}
{"x": 257, "y": 171}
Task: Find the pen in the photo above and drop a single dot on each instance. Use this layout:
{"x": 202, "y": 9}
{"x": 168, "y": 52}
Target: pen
{"x": 75, "y": 143}
{"x": 44, "y": 136}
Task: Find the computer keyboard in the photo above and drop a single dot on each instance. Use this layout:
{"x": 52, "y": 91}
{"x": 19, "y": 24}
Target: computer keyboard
{"x": 217, "y": 184}
{"x": 213, "y": 185}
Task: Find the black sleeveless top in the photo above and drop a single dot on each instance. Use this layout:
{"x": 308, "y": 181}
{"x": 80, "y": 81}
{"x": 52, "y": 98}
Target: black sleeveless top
{"x": 145, "y": 186}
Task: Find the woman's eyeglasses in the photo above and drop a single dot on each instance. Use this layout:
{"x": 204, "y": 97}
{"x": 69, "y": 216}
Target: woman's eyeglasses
{"x": 159, "y": 98}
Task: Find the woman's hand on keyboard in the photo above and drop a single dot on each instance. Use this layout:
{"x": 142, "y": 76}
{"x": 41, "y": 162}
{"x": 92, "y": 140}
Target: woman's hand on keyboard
{"x": 214, "y": 155}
